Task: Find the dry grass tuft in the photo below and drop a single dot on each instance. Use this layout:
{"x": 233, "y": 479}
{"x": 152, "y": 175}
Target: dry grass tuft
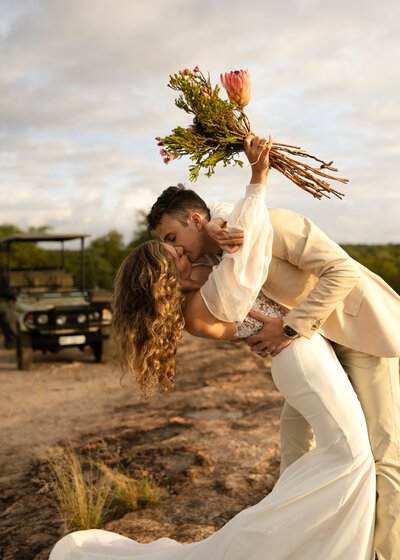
{"x": 147, "y": 490}
{"x": 86, "y": 500}
{"x": 82, "y": 501}
{"x": 128, "y": 492}
{"x": 124, "y": 487}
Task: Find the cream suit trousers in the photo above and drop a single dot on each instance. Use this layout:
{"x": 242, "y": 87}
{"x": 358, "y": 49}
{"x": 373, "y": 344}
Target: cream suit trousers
{"x": 376, "y": 382}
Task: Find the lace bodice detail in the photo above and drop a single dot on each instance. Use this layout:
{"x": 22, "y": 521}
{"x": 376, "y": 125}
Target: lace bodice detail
{"x": 263, "y": 305}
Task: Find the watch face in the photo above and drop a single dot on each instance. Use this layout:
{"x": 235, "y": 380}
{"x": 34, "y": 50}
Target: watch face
{"x": 289, "y": 331}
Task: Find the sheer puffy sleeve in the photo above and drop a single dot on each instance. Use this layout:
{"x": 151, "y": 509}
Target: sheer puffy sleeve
{"x": 221, "y": 210}
{"x": 235, "y": 282}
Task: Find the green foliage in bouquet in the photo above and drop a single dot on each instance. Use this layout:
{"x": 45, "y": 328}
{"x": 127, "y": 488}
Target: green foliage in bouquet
{"x": 219, "y": 128}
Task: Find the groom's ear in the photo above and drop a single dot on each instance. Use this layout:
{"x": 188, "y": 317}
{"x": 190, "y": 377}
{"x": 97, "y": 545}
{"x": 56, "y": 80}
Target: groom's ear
{"x": 197, "y": 219}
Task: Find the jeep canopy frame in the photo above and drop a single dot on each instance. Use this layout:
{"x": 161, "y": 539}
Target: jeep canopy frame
{"x": 6, "y": 242}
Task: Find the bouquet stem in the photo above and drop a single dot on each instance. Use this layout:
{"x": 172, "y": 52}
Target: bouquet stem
{"x": 220, "y": 127}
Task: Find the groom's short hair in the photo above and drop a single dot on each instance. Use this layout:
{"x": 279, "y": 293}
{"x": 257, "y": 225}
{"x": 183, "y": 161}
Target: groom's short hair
{"x": 179, "y": 203}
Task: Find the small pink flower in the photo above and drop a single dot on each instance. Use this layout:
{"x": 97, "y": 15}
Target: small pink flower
{"x": 163, "y": 152}
{"x": 204, "y": 92}
{"x": 186, "y": 72}
{"x": 191, "y": 128}
{"x": 166, "y": 161}
{"x": 158, "y": 138}
{"x": 238, "y": 86}
{"x": 160, "y": 144}
{"x": 196, "y": 69}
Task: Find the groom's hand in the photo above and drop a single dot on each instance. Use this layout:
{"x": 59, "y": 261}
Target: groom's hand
{"x": 270, "y": 340}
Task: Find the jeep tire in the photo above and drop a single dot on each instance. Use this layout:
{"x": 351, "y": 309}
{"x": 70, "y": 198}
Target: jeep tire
{"x": 24, "y": 350}
{"x": 9, "y": 340}
{"x": 102, "y": 350}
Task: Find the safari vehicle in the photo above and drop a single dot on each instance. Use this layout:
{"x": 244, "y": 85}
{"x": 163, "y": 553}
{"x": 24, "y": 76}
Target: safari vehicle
{"x": 47, "y": 308}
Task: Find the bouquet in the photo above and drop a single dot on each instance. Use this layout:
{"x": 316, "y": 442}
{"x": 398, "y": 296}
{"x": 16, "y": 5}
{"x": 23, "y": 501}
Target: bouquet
{"x": 220, "y": 126}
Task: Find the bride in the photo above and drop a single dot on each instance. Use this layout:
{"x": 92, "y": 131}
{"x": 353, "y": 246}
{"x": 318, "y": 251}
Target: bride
{"x": 323, "y": 505}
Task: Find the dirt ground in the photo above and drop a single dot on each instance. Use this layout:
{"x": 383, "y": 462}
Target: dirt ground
{"x": 61, "y": 397}
{"x": 211, "y": 443}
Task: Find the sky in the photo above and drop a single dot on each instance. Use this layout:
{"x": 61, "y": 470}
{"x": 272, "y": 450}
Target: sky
{"x": 83, "y": 94}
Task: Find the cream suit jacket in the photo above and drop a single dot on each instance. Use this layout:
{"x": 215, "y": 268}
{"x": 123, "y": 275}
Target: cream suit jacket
{"x": 324, "y": 289}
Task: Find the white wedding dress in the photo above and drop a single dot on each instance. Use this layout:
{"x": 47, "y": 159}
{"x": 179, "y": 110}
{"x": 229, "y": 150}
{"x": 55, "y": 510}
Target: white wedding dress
{"x": 323, "y": 505}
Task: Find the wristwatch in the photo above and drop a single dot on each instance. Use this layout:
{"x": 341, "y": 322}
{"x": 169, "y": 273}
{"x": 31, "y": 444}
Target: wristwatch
{"x": 289, "y": 332}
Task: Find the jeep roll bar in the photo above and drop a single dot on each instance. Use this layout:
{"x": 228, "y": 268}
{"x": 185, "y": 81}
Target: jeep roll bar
{"x": 6, "y": 242}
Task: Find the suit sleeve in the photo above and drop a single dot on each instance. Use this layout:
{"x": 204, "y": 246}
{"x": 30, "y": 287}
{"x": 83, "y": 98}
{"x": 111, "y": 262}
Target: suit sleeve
{"x": 304, "y": 245}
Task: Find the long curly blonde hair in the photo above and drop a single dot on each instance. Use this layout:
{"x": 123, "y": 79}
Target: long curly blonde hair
{"x": 148, "y": 318}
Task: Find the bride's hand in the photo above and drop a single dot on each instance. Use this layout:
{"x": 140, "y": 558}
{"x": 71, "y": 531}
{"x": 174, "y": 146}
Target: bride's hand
{"x": 228, "y": 241}
{"x": 257, "y": 151}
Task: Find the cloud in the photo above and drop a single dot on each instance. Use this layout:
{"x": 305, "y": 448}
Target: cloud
{"x": 83, "y": 93}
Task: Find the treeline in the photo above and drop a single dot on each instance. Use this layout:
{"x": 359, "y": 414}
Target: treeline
{"x": 104, "y": 255}
{"x": 384, "y": 260}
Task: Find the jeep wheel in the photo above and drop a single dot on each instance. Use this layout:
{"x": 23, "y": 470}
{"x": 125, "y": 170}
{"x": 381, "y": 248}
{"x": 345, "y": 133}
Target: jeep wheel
{"x": 102, "y": 351}
{"x": 9, "y": 340}
{"x": 24, "y": 350}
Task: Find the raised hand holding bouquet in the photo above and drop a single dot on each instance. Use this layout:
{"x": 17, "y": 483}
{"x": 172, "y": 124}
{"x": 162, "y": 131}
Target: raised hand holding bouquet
{"x": 220, "y": 127}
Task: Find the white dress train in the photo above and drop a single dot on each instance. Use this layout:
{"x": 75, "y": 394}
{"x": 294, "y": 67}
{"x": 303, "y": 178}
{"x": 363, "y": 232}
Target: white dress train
{"x": 323, "y": 505}
{"x": 321, "y": 508}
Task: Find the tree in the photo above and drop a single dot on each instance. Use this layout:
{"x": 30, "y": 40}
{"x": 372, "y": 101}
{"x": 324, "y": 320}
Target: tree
{"x": 140, "y": 234}
{"x": 27, "y": 255}
{"x": 384, "y": 260}
{"x": 104, "y": 257}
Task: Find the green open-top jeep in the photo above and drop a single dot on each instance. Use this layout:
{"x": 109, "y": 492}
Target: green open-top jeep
{"x": 47, "y": 308}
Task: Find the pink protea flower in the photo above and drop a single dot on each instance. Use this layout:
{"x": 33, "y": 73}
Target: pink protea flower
{"x": 238, "y": 86}
{"x": 204, "y": 92}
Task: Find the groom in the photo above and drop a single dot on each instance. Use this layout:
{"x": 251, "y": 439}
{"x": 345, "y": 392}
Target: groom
{"x": 323, "y": 290}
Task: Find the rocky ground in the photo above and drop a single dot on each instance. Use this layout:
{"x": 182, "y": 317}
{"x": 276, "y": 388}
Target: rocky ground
{"x": 211, "y": 443}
